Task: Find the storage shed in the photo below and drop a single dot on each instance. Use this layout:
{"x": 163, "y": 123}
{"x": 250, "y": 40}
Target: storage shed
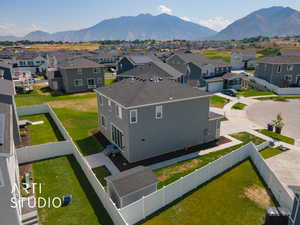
{"x": 131, "y": 185}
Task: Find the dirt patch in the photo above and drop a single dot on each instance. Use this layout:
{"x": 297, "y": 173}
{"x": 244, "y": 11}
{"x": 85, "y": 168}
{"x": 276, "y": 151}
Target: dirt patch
{"x": 168, "y": 173}
{"x": 258, "y": 194}
{"x": 82, "y": 105}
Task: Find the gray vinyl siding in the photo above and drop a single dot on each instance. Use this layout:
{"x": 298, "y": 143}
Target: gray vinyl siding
{"x": 124, "y": 65}
{"x": 269, "y": 72}
{"x": 113, "y": 195}
{"x": 213, "y": 130}
{"x": 69, "y": 75}
{"x": 175, "y": 60}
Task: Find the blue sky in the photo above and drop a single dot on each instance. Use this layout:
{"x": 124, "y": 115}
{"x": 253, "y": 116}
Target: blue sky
{"x": 19, "y": 17}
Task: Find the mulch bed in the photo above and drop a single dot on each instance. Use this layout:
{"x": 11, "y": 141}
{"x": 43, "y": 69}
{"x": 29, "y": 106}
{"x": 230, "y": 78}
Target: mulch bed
{"x": 100, "y": 138}
{"x": 123, "y": 164}
{"x": 25, "y": 138}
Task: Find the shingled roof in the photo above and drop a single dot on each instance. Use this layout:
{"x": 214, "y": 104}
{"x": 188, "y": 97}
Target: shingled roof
{"x": 77, "y": 62}
{"x": 138, "y": 92}
{"x": 200, "y": 60}
{"x": 281, "y": 60}
{"x": 132, "y": 180}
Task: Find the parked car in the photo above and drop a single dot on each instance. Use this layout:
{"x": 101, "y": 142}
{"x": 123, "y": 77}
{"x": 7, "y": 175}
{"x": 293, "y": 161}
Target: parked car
{"x": 230, "y": 92}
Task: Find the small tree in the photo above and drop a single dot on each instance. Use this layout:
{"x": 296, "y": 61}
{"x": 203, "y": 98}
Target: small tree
{"x": 278, "y": 123}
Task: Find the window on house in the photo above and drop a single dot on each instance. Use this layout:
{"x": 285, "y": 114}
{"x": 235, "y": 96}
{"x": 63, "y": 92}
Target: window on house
{"x": 109, "y": 102}
{"x": 77, "y": 83}
{"x": 290, "y": 67}
{"x": 119, "y": 111}
{"x": 159, "y": 112}
{"x": 117, "y": 137}
{"x": 91, "y": 83}
{"x": 279, "y": 69}
{"x": 79, "y": 70}
{"x": 133, "y": 116}
{"x": 101, "y": 100}
{"x": 103, "y": 122}
{"x": 1, "y": 179}
{"x": 97, "y": 70}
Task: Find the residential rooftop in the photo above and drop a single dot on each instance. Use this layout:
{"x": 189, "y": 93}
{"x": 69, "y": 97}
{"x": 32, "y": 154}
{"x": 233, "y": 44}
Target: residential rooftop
{"x": 281, "y": 60}
{"x": 7, "y": 87}
{"x": 132, "y": 180}
{"x": 200, "y": 60}
{"x": 5, "y": 128}
{"x": 140, "y": 92}
{"x": 77, "y": 62}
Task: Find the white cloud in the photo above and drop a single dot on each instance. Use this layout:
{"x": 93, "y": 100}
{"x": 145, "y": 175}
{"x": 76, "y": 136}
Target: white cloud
{"x": 186, "y": 18}
{"x": 13, "y": 29}
{"x": 216, "y": 23}
{"x": 165, "y": 9}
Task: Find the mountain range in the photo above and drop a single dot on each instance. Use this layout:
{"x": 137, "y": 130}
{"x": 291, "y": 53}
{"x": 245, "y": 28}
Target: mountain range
{"x": 274, "y": 21}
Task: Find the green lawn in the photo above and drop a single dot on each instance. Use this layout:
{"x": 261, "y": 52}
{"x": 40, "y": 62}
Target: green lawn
{"x": 238, "y": 196}
{"x": 239, "y": 106}
{"x": 278, "y": 137}
{"x": 270, "y": 152}
{"x": 63, "y": 176}
{"x": 102, "y": 172}
{"x": 246, "y": 137}
{"x": 250, "y": 92}
{"x": 218, "y": 102}
{"x": 108, "y": 81}
{"x": 250, "y": 71}
{"x": 42, "y": 133}
{"x": 218, "y": 54}
{"x": 224, "y": 119}
{"x": 278, "y": 98}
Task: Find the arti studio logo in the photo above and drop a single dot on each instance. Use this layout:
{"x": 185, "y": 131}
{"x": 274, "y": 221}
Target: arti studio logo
{"x": 17, "y": 201}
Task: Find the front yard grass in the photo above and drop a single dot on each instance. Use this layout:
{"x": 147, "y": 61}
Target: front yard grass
{"x": 270, "y": 152}
{"x": 101, "y": 172}
{"x": 278, "y": 137}
{"x": 236, "y": 197}
{"x": 278, "y": 98}
{"x": 63, "y": 176}
{"x": 239, "y": 106}
{"x": 218, "y": 101}
{"x": 250, "y": 92}
{"x": 246, "y": 137}
{"x": 42, "y": 133}
{"x": 109, "y": 81}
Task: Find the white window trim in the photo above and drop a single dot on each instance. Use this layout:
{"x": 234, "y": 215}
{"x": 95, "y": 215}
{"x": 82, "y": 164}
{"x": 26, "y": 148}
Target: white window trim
{"x": 81, "y": 81}
{"x": 109, "y": 102}
{"x": 101, "y": 99}
{"x": 2, "y": 184}
{"x": 279, "y": 69}
{"x": 119, "y": 111}
{"x": 136, "y": 113}
{"x": 156, "y": 107}
{"x": 111, "y": 125}
{"x": 90, "y": 85}
{"x": 105, "y": 125}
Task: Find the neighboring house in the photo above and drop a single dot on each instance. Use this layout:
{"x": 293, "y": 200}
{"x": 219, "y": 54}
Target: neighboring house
{"x": 9, "y": 169}
{"x": 7, "y": 70}
{"x": 289, "y": 52}
{"x": 29, "y": 61}
{"x": 152, "y": 117}
{"x": 129, "y": 62}
{"x": 108, "y": 59}
{"x": 243, "y": 59}
{"x": 154, "y": 69}
{"x": 282, "y": 71}
{"x": 198, "y": 67}
{"x": 131, "y": 185}
{"x": 76, "y": 75}
{"x": 217, "y": 84}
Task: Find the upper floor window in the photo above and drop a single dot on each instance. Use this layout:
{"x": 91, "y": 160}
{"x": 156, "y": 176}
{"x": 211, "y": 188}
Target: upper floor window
{"x": 79, "y": 70}
{"x": 119, "y": 111}
{"x": 103, "y": 122}
{"x": 77, "y": 83}
{"x": 97, "y": 70}
{"x": 159, "y": 112}
{"x": 290, "y": 67}
{"x": 279, "y": 69}
{"x": 133, "y": 116}
{"x": 109, "y": 102}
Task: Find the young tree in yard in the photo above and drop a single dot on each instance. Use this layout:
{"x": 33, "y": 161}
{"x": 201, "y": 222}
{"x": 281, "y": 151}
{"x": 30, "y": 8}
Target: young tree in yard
{"x": 278, "y": 123}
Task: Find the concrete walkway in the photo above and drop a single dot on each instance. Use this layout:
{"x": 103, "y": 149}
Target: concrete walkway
{"x": 99, "y": 159}
{"x": 195, "y": 154}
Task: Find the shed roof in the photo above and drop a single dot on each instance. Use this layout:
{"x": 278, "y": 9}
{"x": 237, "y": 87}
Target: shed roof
{"x": 132, "y": 180}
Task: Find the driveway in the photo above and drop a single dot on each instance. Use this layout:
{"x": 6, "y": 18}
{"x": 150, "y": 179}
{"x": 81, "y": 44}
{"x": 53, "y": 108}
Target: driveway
{"x": 265, "y": 111}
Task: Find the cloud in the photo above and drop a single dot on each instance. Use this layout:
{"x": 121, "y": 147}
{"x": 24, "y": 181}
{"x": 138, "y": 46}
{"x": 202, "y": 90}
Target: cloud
{"x": 165, "y": 9}
{"x": 216, "y": 23}
{"x": 13, "y": 29}
{"x": 186, "y": 18}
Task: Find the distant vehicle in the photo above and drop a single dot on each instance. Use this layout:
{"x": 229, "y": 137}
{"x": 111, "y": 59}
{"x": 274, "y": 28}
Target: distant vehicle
{"x": 230, "y": 92}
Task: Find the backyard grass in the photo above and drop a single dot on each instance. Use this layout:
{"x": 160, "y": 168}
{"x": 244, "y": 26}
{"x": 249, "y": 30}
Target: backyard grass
{"x": 64, "y": 46}
{"x": 218, "y": 54}
{"x": 238, "y": 196}
{"x": 218, "y": 101}
{"x": 270, "y": 152}
{"x": 79, "y": 119}
{"x": 239, "y": 106}
{"x": 278, "y": 98}
{"x": 108, "y": 81}
{"x": 278, "y": 137}
{"x": 42, "y": 133}
{"x": 250, "y": 92}
{"x": 246, "y": 137}
{"x": 102, "y": 172}
{"x": 63, "y": 176}
{"x": 250, "y": 71}
{"x": 224, "y": 119}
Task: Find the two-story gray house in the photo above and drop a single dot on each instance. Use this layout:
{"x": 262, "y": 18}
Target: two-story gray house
{"x": 243, "y": 59}
{"x": 152, "y": 117}
{"x": 76, "y": 75}
{"x": 282, "y": 71}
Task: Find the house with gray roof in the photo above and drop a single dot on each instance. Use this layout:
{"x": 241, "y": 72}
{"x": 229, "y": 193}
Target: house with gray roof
{"x": 289, "y": 52}
{"x": 131, "y": 185}
{"x": 75, "y": 74}
{"x": 243, "y": 59}
{"x": 198, "y": 67}
{"x": 282, "y": 71}
{"x": 145, "y": 118}
{"x": 9, "y": 169}
{"x": 6, "y": 70}
{"x": 154, "y": 69}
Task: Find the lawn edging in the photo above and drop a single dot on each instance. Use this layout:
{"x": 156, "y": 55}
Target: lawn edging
{"x": 278, "y": 137}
